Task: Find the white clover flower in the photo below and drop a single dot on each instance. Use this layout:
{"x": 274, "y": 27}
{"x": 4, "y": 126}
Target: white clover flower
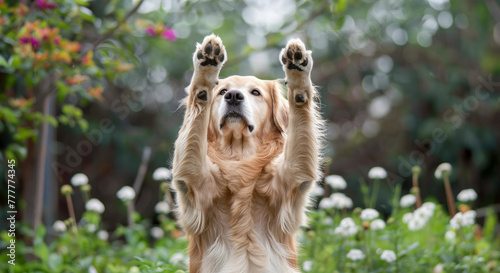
{"x": 450, "y": 236}
{"x": 377, "y": 173}
{"x": 355, "y": 255}
{"x": 407, "y": 200}
{"x": 162, "y": 174}
{"x": 347, "y": 203}
{"x": 416, "y": 223}
{"x": 177, "y": 259}
{"x": 341, "y": 201}
{"x": 326, "y": 203}
{"x": 307, "y": 265}
{"x": 157, "y": 232}
{"x": 419, "y": 217}
{"x": 79, "y": 179}
{"x": 337, "y": 182}
{"x": 369, "y": 214}
{"x": 103, "y": 235}
{"x": 429, "y": 205}
{"x": 91, "y": 227}
{"x": 317, "y": 190}
{"x": 377, "y": 224}
{"x": 59, "y": 226}
{"x": 446, "y": 167}
{"x": 424, "y": 213}
{"x": 94, "y": 205}
{"x": 467, "y": 195}
{"x": 347, "y": 227}
{"x": 336, "y": 200}
{"x": 162, "y": 207}
{"x": 328, "y": 221}
{"x": 388, "y": 256}
{"x": 407, "y": 217}
{"x": 463, "y": 219}
{"x": 126, "y": 194}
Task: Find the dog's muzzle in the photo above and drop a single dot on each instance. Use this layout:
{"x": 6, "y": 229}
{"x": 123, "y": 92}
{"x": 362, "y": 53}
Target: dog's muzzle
{"x": 234, "y": 100}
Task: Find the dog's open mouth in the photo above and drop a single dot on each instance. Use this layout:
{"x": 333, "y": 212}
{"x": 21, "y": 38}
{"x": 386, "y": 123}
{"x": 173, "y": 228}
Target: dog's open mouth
{"x": 233, "y": 117}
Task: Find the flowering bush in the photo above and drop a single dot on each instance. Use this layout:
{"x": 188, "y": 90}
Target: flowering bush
{"x": 44, "y": 51}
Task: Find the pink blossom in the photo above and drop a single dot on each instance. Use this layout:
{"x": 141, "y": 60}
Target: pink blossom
{"x": 151, "y": 31}
{"x": 57, "y": 40}
{"x": 45, "y": 4}
{"x": 169, "y": 34}
{"x": 34, "y": 43}
{"x": 24, "y": 40}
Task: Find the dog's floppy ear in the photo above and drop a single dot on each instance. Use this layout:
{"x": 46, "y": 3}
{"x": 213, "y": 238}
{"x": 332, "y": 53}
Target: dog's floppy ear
{"x": 280, "y": 106}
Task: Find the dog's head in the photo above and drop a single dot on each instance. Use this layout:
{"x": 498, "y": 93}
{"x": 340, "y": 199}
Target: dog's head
{"x": 248, "y": 107}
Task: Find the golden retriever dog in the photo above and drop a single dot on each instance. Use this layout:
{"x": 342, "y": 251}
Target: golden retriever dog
{"x": 244, "y": 161}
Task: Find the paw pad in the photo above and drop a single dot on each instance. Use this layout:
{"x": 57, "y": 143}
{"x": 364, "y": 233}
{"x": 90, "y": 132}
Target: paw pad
{"x": 211, "y": 52}
{"x": 295, "y": 56}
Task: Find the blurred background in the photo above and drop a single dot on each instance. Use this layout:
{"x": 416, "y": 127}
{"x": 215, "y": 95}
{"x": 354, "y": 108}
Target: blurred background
{"x": 94, "y": 87}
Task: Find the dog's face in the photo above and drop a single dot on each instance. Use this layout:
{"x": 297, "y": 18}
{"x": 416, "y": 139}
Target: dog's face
{"x": 247, "y": 107}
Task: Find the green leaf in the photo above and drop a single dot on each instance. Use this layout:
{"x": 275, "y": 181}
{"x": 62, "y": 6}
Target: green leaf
{"x": 15, "y": 61}
{"x": 24, "y": 133}
{"x": 3, "y": 62}
{"x": 87, "y": 14}
{"x": 490, "y": 224}
{"x": 82, "y": 2}
{"x": 17, "y": 150}
{"x": 84, "y": 125}
{"x": 340, "y": 6}
{"x": 50, "y": 119}
{"x": 55, "y": 261}
{"x": 9, "y": 115}
{"x": 40, "y": 248}
{"x": 62, "y": 90}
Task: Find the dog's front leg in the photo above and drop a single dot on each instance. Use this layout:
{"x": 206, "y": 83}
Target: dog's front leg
{"x": 192, "y": 178}
{"x": 303, "y": 143}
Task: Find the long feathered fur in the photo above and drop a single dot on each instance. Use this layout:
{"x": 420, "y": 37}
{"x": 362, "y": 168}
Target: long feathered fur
{"x": 241, "y": 208}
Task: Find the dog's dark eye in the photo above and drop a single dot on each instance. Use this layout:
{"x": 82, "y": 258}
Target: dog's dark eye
{"x": 255, "y": 93}
{"x": 222, "y": 92}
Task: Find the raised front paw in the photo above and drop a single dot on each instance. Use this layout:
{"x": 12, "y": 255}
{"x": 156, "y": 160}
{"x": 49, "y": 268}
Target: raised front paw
{"x": 297, "y": 63}
{"x": 211, "y": 52}
{"x": 295, "y": 56}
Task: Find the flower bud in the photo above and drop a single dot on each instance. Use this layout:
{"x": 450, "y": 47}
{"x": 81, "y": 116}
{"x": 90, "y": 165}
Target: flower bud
{"x": 66, "y": 190}
{"x": 390, "y": 220}
{"x": 366, "y": 225}
{"x": 164, "y": 187}
{"x": 357, "y": 211}
{"x": 416, "y": 170}
{"x": 463, "y": 208}
{"x": 86, "y": 188}
{"x": 415, "y": 191}
{"x": 328, "y": 161}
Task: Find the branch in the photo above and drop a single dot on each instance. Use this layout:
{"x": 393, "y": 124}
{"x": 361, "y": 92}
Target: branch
{"x": 112, "y": 31}
{"x": 48, "y": 103}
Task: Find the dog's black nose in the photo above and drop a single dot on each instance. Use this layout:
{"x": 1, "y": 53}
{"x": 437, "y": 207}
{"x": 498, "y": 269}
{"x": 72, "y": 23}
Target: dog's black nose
{"x": 234, "y": 97}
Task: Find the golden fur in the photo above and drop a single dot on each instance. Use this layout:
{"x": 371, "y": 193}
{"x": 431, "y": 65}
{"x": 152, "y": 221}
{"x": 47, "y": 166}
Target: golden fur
{"x": 242, "y": 181}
